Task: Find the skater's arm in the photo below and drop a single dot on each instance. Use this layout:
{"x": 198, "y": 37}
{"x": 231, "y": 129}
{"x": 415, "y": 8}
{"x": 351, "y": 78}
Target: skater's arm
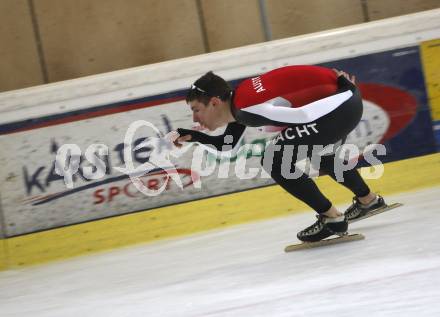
{"x": 305, "y": 114}
{"x": 230, "y": 137}
{"x": 309, "y": 112}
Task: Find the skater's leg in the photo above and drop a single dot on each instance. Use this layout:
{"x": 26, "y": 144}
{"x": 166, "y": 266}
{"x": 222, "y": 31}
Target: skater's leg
{"x": 365, "y": 200}
{"x": 330, "y": 220}
{"x": 324, "y": 131}
{"x": 301, "y": 186}
{"x": 351, "y": 179}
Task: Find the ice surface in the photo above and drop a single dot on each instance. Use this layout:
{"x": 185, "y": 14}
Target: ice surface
{"x": 243, "y": 271}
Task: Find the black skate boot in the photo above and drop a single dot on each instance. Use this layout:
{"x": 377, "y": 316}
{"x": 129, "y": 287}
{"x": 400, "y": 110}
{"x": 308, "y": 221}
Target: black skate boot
{"x": 358, "y": 210}
{"x": 324, "y": 227}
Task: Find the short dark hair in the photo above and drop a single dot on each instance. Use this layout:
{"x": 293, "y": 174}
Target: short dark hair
{"x": 208, "y": 86}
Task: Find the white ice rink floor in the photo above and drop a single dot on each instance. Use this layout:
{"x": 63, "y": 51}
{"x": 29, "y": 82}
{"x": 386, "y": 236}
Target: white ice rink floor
{"x": 243, "y": 271}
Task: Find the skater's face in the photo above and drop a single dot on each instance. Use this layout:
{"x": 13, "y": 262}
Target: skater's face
{"x": 208, "y": 116}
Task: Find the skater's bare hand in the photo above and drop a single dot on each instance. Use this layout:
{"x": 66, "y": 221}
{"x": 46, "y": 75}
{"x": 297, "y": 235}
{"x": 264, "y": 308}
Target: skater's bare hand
{"x": 351, "y": 78}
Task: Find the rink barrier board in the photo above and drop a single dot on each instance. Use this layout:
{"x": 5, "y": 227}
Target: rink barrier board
{"x": 206, "y": 214}
{"x": 3, "y": 255}
{"x": 42, "y": 203}
{"x": 430, "y": 57}
{"x": 430, "y": 52}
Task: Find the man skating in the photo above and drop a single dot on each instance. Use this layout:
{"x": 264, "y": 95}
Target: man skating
{"x": 316, "y": 105}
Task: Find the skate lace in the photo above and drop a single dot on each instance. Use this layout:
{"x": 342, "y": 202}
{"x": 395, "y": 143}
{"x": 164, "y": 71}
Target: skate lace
{"x": 353, "y": 208}
{"x": 315, "y": 227}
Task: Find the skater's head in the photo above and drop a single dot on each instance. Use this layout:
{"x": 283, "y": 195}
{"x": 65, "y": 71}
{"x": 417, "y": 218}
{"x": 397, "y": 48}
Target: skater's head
{"x": 209, "y": 98}
{"x": 208, "y": 86}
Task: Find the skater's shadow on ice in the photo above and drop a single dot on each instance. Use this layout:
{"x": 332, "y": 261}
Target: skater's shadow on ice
{"x": 374, "y": 225}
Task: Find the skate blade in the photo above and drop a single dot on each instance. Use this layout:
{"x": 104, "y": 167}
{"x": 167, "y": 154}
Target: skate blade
{"x": 377, "y": 211}
{"x": 325, "y": 242}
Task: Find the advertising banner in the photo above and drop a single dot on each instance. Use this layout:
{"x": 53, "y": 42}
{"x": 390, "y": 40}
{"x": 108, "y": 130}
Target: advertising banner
{"x": 107, "y": 144}
{"x": 394, "y": 81}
